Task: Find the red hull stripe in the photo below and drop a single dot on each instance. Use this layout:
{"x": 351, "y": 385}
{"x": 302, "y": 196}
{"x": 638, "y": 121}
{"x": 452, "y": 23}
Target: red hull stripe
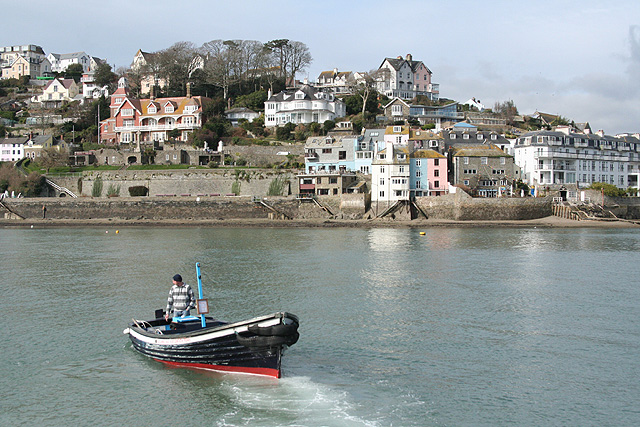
{"x": 238, "y": 369}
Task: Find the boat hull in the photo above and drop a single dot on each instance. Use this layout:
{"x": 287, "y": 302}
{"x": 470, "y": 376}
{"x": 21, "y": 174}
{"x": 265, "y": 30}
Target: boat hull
{"x": 253, "y": 347}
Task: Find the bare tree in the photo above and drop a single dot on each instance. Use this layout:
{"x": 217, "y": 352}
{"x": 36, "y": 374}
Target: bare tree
{"x": 222, "y": 66}
{"x": 297, "y": 58}
{"x": 364, "y": 84}
{"x": 176, "y": 64}
{"x": 51, "y": 158}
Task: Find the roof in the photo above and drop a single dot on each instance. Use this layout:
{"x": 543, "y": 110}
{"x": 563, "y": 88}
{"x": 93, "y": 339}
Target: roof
{"x": 178, "y": 103}
{"x": 397, "y": 63}
{"x": 427, "y": 153}
{"x": 65, "y": 82}
{"x": 479, "y": 151}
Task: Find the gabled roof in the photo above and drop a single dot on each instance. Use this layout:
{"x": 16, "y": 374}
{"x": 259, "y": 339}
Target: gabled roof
{"x": 66, "y": 83}
{"x": 397, "y": 63}
{"x": 394, "y": 100}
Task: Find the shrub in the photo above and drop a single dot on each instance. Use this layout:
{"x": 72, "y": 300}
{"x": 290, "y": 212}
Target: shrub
{"x": 96, "y": 190}
{"x": 113, "y": 190}
{"x": 138, "y": 190}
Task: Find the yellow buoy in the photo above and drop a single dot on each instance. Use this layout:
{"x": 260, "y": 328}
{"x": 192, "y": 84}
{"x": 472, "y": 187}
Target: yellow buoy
{"x": 117, "y": 231}
{"x": 422, "y": 233}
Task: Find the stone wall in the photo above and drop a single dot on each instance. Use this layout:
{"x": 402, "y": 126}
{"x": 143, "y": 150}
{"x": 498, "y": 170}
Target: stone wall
{"x": 462, "y": 207}
{"x": 191, "y": 182}
{"x": 152, "y": 208}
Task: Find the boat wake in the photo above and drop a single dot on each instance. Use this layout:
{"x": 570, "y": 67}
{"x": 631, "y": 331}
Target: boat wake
{"x": 289, "y": 401}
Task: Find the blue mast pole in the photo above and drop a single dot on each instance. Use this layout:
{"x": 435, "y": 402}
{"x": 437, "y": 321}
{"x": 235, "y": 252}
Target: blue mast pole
{"x": 202, "y": 320}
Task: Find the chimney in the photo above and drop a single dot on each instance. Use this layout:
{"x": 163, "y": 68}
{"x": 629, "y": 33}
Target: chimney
{"x": 600, "y": 133}
{"x": 189, "y": 90}
{"x": 269, "y": 93}
{"x": 409, "y": 57}
{"x": 399, "y": 57}
{"x": 152, "y": 94}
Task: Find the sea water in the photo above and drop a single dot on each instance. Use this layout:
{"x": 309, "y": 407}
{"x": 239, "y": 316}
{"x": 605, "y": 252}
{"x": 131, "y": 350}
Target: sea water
{"x": 459, "y": 326}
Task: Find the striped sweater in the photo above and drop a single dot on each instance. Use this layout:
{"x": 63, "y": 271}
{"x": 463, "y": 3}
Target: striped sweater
{"x": 180, "y": 298}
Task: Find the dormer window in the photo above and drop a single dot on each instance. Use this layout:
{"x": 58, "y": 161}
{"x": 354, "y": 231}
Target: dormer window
{"x": 168, "y": 108}
{"x": 190, "y": 108}
{"x": 452, "y": 135}
{"x": 397, "y": 128}
{"x": 494, "y": 136}
{"x": 299, "y": 95}
{"x": 479, "y": 136}
{"x": 465, "y": 136}
{"x": 152, "y": 109}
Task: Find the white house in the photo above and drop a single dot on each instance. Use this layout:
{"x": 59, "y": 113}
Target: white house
{"x": 405, "y": 79}
{"x": 60, "y": 61}
{"x": 90, "y": 90}
{"x": 234, "y": 115}
{"x": 302, "y": 105}
{"x": 12, "y": 149}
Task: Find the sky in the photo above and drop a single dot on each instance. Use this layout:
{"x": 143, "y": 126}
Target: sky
{"x": 579, "y": 59}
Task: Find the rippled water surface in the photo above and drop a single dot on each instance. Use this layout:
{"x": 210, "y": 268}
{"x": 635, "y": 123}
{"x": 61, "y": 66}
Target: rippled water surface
{"x": 457, "y": 327}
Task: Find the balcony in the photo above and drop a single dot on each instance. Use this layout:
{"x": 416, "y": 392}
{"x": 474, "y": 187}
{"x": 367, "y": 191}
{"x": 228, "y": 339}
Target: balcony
{"x": 152, "y": 128}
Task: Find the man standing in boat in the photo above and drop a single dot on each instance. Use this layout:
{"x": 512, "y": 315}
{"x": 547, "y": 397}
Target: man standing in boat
{"x": 181, "y": 299}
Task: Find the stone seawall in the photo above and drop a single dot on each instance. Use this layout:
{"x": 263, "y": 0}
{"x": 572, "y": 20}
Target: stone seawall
{"x": 451, "y": 207}
{"x": 462, "y": 207}
{"x": 153, "y": 208}
{"x": 192, "y": 182}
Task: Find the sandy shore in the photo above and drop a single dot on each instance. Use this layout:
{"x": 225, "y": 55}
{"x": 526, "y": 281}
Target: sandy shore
{"x": 547, "y": 222}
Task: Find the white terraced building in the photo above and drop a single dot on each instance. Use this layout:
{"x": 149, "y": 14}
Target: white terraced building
{"x": 561, "y": 157}
{"x": 302, "y": 105}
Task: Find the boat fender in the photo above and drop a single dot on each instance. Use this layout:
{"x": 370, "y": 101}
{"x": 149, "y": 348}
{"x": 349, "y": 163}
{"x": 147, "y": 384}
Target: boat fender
{"x": 277, "y": 330}
{"x": 267, "y": 341}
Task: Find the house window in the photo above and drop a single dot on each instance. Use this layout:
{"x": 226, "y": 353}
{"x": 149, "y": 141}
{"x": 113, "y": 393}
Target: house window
{"x": 483, "y": 160}
{"x": 333, "y": 180}
{"x": 502, "y": 160}
{"x": 436, "y": 172}
{"x": 381, "y": 181}
{"x": 382, "y": 194}
{"x": 188, "y": 120}
{"x": 168, "y": 108}
{"x": 127, "y": 112}
{"x": 326, "y": 151}
{"x": 417, "y": 184}
{"x": 299, "y": 95}
{"x": 396, "y": 109}
{"x": 436, "y": 162}
{"x": 466, "y": 182}
{"x": 418, "y": 174}
{"x": 436, "y": 184}
{"x": 418, "y": 163}
{"x": 152, "y": 110}
{"x": 452, "y": 136}
{"x": 397, "y": 129}
{"x": 381, "y": 169}
{"x": 465, "y": 160}
{"x": 342, "y": 155}
{"x": 401, "y": 169}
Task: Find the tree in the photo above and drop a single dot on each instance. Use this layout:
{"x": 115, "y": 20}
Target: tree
{"x": 74, "y": 71}
{"x": 277, "y": 48}
{"x": 222, "y": 63}
{"x": 363, "y": 85}
{"x": 506, "y": 109}
{"x": 103, "y": 75}
{"x": 52, "y": 158}
{"x": 297, "y": 58}
{"x": 175, "y": 66}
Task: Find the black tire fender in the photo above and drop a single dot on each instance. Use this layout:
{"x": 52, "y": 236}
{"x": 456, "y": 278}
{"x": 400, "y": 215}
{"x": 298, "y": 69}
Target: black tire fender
{"x": 276, "y": 330}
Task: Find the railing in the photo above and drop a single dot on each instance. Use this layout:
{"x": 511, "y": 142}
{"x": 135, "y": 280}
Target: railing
{"x": 61, "y": 189}
{"x": 149, "y": 128}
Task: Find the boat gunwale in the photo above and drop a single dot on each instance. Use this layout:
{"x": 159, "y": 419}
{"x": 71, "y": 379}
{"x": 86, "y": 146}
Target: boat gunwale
{"x": 207, "y": 330}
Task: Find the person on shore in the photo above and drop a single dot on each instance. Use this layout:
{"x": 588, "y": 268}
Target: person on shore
{"x": 44, "y": 211}
{"x": 181, "y": 299}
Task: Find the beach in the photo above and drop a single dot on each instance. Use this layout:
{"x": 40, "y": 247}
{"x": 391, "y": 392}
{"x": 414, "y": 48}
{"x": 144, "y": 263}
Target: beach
{"x": 546, "y": 222}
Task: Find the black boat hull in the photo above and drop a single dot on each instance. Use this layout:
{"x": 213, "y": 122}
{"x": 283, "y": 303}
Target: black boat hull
{"x": 253, "y": 346}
